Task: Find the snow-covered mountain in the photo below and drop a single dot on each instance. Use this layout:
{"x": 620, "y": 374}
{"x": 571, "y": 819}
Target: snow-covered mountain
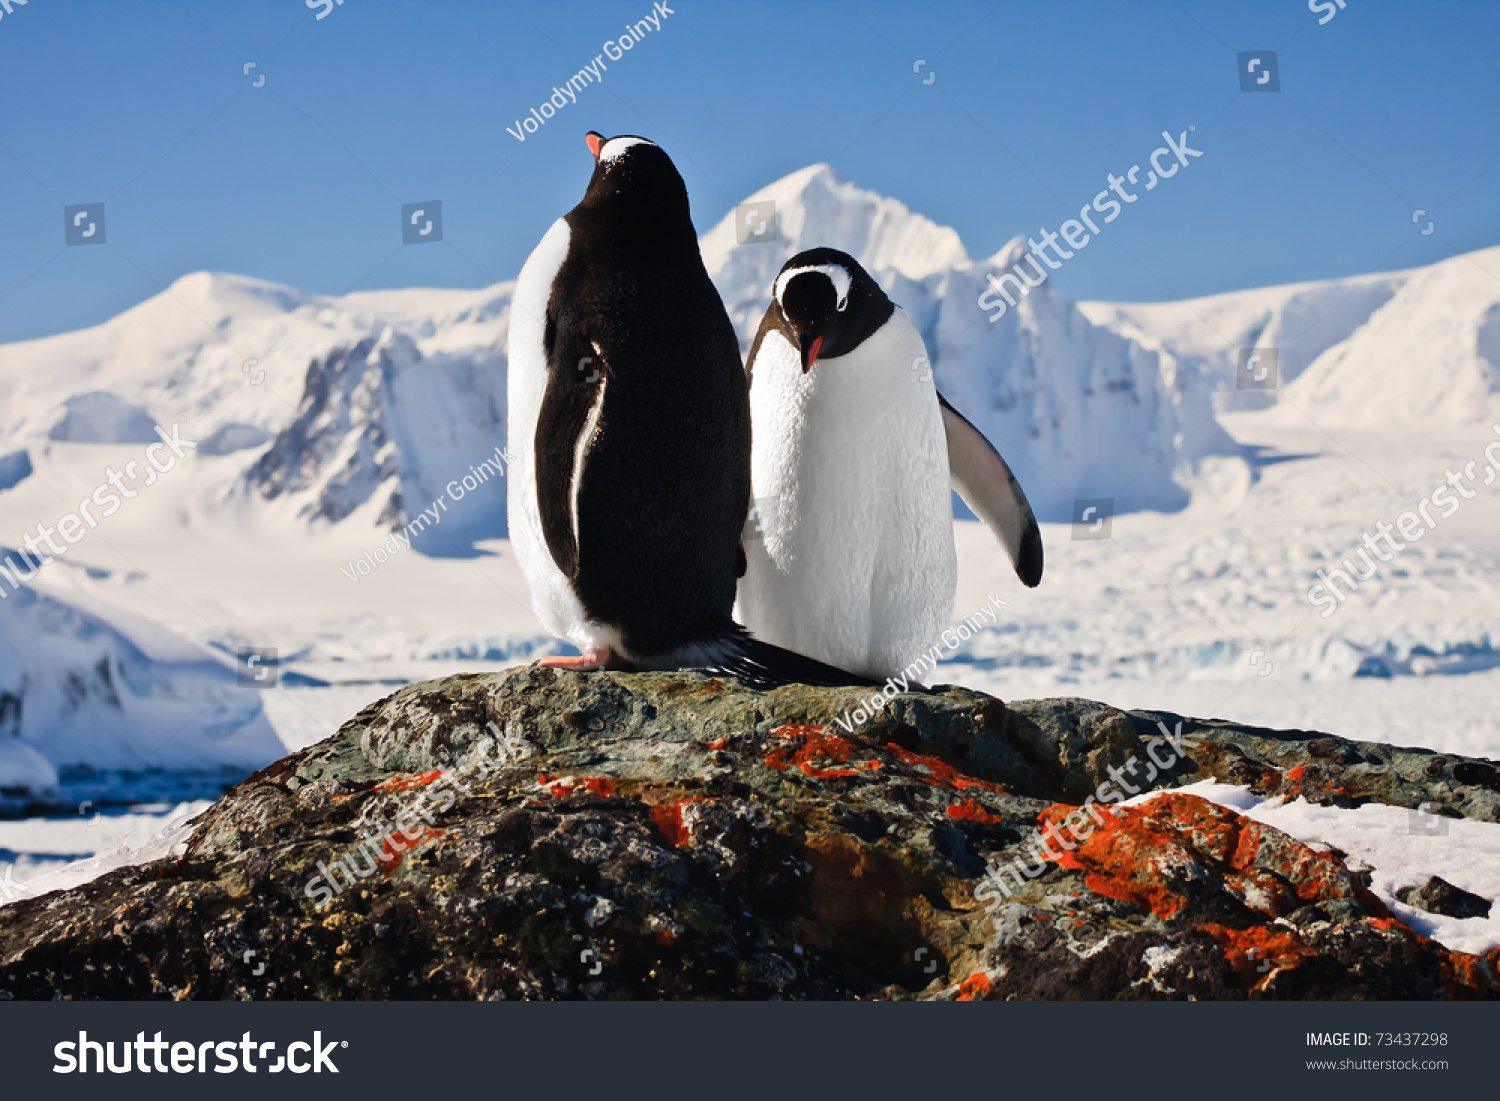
{"x": 362, "y": 408}
{"x": 1373, "y": 350}
{"x": 357, "y": 397}
{"x": 1431, "y": 353}
{"x": 384, "y": 428}
{"x": 368, "y": 405}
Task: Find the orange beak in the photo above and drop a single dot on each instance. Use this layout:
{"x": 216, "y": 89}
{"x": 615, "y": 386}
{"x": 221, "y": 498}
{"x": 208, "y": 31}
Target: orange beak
{"x": 810, "y": 352}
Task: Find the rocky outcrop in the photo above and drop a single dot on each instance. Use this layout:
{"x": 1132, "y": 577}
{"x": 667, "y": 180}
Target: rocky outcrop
{"x": 1438, "y": 896}
{"x": 537, "y": 834}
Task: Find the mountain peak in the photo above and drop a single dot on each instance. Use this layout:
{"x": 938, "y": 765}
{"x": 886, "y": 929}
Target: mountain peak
{"x": 1010, "y": 253}
{"x": 817, "y": 206}
{"x": 211, "y": 298}
{"x": 227, "y": 292}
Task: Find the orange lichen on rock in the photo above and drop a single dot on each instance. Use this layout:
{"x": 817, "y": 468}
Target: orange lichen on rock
{"x": 815, "y": 741}
{"x": 1466, "y": 977}
{"x": 558, "y": 787}
{"x": 943, "y": 775}
{"x": 971, "y": 811}
{"x": 406, "y": 783}
{"x": 391, "y": 855}
{"x": 399, "y": 782}
{"x": 799, "y": 744}
{"x": 1147, "y": 855}
{"x": 1315, "y": 788}
{"x": 1258, "y": 953}
{"x": 1157, "y": 853}
{"x": 1414, "y": 939}
{"x": 974, "y": 988}
{"x": 1471, "y": 978}
{"x": 668, "y": 819}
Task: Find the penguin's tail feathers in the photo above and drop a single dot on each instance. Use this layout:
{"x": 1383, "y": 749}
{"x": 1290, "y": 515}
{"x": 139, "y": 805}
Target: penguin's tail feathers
{"x": 766, "y": 665}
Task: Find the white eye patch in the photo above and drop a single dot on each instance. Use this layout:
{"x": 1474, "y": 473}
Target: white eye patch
{"x": 836, "y": 275}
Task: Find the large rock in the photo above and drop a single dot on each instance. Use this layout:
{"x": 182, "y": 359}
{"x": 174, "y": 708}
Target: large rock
{"x": 676, "y": 835}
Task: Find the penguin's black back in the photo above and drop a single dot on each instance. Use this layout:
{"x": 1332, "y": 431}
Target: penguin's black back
{"x": 665, "y": 487}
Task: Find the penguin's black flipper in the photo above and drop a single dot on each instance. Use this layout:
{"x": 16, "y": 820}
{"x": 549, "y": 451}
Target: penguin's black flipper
{"x": 985, "y": 482}
{"x": 569, "y": 413}
{"x": 765, "y": 665}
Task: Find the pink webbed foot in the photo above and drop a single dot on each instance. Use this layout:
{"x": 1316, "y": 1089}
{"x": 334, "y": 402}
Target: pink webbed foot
{"x": 594, "y": 658}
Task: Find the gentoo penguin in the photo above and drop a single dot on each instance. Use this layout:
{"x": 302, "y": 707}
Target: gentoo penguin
{"x": 850, "y": 543}
{"x": 629, "y": 421}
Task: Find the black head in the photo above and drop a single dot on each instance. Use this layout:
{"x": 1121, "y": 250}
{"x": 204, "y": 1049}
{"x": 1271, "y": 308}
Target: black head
{"x": 638, "y": 186}
{"x": 827, "y": 305}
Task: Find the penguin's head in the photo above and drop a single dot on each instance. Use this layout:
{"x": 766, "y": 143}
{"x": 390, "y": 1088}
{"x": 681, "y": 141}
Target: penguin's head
{"x": 608, "y": 150}
{"x": 635, "y": 178}
{"x": 827, "y": 305}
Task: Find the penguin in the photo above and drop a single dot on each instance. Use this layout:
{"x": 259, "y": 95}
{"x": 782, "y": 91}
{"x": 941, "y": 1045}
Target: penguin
{"x": 629, "y": 420}
{"x": 849, "y": 545}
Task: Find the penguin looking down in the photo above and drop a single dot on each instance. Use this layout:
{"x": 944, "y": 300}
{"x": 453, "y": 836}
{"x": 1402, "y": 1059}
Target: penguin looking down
{"x": 629, "y": 420}
{"x": 850, "y": 549}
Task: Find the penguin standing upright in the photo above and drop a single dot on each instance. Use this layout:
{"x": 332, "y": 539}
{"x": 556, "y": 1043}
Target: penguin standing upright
{"x": 629, "y": 421}
{"x": 850, "y": 546}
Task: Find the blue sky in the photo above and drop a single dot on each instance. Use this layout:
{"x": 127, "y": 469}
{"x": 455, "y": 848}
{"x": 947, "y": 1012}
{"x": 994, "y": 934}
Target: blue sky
{"x": 144, "y": 105}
